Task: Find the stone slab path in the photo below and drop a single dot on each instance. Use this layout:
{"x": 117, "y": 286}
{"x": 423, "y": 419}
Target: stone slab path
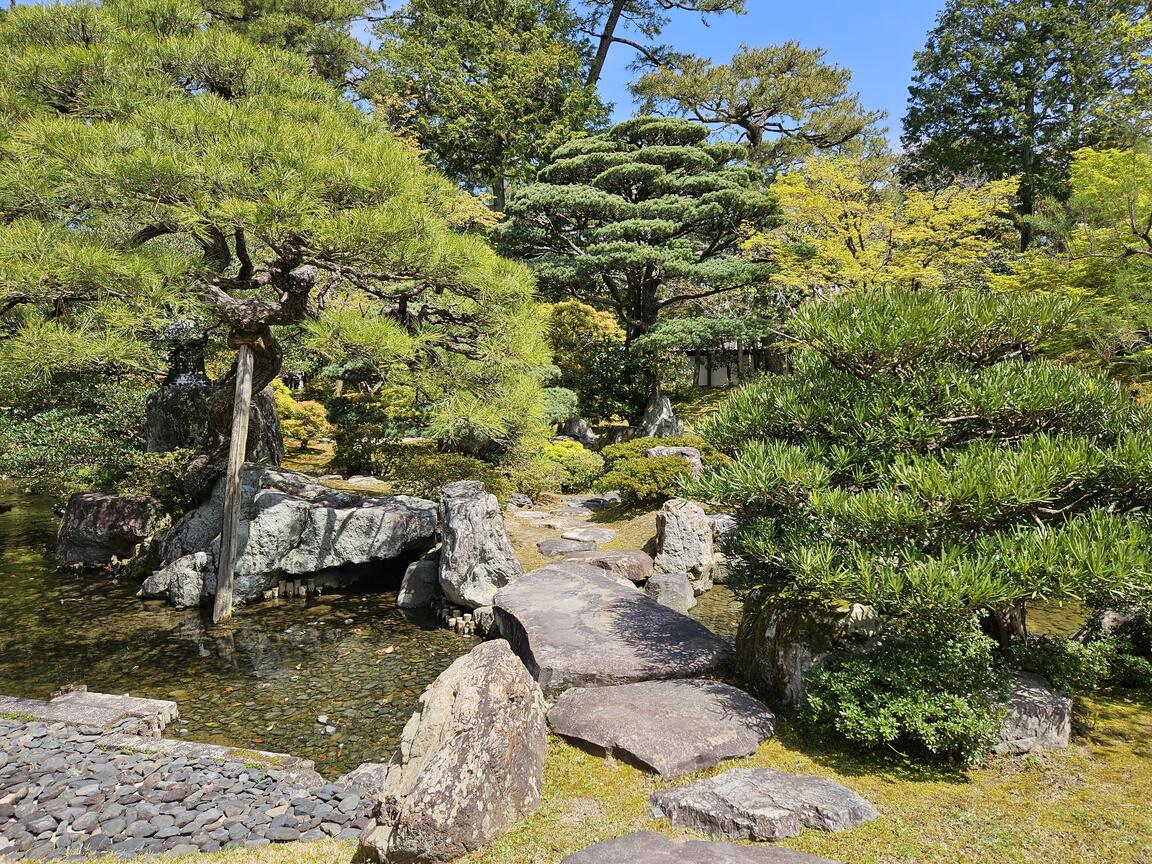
{"x": 652, "y": 848}
{"x": 69, "y": 791}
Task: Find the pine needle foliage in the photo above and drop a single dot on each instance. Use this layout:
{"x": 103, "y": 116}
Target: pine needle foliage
{"x": 155, "y": 166}
{"x": 923, "y": 455}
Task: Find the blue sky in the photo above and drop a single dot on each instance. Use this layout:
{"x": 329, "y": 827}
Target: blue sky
{"x": 874, "y": 38}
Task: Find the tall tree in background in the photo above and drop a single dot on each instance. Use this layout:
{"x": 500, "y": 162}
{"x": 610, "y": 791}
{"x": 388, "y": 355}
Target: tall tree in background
{"x": 784, "y": 101}
{"x": 642, "y": 220}
{"x": 1015, "y": 87}
{"x": 608, "y": 20}
{"x": 849, "y": 225}
{"x": 488, "y": 87}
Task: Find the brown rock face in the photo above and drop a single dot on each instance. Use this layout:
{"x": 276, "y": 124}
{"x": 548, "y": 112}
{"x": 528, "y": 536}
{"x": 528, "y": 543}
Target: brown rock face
{"x": 470, "y": 762}
{"x": 100, "y": 526}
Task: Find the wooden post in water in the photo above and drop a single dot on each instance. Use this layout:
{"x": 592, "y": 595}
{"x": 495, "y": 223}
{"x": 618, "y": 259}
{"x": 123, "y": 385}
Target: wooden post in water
{"x": 237, "y": 449}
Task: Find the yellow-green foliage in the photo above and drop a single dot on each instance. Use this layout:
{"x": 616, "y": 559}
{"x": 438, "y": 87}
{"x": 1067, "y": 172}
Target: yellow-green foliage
{"x": 303, "y": 420}
{"x": 850, "y": 225}
{"x": 419, "y": 470}
{"x": 580, "y": 466}
{"x": 573, "y": 327}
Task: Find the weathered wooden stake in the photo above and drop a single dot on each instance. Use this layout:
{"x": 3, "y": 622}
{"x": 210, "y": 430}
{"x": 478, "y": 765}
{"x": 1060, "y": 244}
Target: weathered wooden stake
{"x": 238, "y": 447}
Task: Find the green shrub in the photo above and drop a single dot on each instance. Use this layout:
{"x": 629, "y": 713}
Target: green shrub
{"x": 1072, "y": 666}
{"x": 159, "y": 475}
{"x": 645, "y": 481}
{"x": 931, "y": 690}
{"x": 419, "y": 470}
{"x": 635, "y": 448}
{"x": 1130, "y": 669}
{"x": 560, "y": 403}
{"x": 581, "y": 467}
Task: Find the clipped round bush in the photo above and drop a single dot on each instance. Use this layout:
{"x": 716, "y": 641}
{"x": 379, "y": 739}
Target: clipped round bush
{"x": 645, "y": 481}
{"x": 301, "y": 420}
{"x": 419, "y": 470}
{"x": 581, "y": 467}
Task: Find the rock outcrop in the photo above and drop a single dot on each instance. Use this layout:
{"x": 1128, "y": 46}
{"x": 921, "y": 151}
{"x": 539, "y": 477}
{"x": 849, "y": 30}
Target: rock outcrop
{"x": 470, "y": 763}
{"x": 670, "y": 727}
{"x": 652, "y": 848}
{"x": 777, "y": 645}
{"x": 420, "y": 587}
{"x": 289, "y": 526}
{"x": 689, "y": 454}
{"x": 574, "y": 625}
{"x": 761, "y": 804}
{"x": 684, "y": 542}
{"x": 658, "y": 420}
{"x": 1039, "y": 718}
{"x": 100, "y": 526}
{"x": 577, "y": 429}
{"x": 476, "y": 559}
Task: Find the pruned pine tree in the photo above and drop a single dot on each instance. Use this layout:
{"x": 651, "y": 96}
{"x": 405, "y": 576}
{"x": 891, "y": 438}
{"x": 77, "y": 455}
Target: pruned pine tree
{"x": 922, "y": 455}
{"x": 157, "y": 169}
{"x": 642, "y": 219}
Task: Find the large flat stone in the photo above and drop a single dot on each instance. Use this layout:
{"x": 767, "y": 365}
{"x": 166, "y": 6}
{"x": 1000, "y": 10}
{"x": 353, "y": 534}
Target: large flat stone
{"x": 761, "y": 804}
{"x": 556, "y": 548}
{"x": 650, "y": 848}
{"x": 576, "y": 628}
{"x": 671, "y": 727}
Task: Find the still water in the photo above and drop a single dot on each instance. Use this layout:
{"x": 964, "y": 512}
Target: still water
{"x": 259, "y": 682}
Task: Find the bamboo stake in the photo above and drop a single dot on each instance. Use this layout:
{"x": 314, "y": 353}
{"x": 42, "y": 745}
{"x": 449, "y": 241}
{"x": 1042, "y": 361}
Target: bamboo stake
{"x": 238, "y": 447}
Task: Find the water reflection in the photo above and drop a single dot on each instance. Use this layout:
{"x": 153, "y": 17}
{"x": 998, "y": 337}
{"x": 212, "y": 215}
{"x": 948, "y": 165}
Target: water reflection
{"x": 261, "y": 681}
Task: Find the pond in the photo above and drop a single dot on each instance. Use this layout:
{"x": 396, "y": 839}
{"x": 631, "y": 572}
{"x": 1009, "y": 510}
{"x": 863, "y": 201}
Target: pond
{"x": 259, "y": 682}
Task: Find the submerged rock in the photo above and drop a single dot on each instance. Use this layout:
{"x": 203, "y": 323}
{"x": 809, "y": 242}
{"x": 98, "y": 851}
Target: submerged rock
{"x": 100, "y": 526}
{"x": 761, "y": 804}
{"x": 470, "y": 764}
{"x": 477, "y": 558}
{"x": 671, "y": 727}
{"x": 651, "y": 848}
{"x": 289, "y": 526}
{"x": 576, "y": 626}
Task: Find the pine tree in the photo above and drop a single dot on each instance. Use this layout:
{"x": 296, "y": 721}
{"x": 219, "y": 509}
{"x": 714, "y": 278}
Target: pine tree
{"x": 157, "y": 170}
{"x": 642, "y": 220}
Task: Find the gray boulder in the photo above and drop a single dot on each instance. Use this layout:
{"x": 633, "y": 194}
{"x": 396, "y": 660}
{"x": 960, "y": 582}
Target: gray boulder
{"x": 658, "y": 420}
{"x": 684, "y": 542}
{"x": 761, "y": 804}
{"x": 777, "y": 645}
{"x": 673, "y": 590}
{"x": 1039, "y": 718}
{"x": 421, "y": 585}
{"x": 670, "y": 727}
{"x": 632, "y": 564}
{"x": 689, "y": 454}
{"x": 576, "y": 626}
{"x": 470, "y": 763}
{"x": 289, "y": 526}
{"x": 557, "y": 548}
{"x": 100, "y": 526}
{"x": 577, "y": 429}
{"x": 476, "y": 559}
{"x": 652, "y": 848}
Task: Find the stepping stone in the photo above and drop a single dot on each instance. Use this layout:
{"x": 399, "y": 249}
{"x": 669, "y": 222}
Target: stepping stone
{"x": 576, "y": 628}
{"x": 530, "y": 514}
{"x": 670, "y": 727}
{"x": 573, "y": 510}
{"x": 591, "y": 534}
{"x": 650, "y": 848}
{"x": 557, "y": 548}
{"x": 632, "y": 564}
{"x": 761, "y": 804}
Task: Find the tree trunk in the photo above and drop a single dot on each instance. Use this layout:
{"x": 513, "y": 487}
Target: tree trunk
{"x": 222, "y": 607}
{"x": 606, "y": 38}
{"x": 1028, "y": 176}
{"x": 499, "y": 194}
{"x": 1006, "y": 624}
